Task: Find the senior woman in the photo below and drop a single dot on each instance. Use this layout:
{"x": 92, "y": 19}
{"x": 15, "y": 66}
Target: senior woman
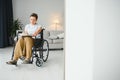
{"x": 24, "y": 45}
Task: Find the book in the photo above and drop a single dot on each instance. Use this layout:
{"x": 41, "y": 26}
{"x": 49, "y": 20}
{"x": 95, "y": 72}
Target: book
{"x": 25, "y": 35}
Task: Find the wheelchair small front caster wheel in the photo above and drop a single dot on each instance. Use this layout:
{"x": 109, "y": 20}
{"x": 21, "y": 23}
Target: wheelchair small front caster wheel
{"x": 39, "y": 62}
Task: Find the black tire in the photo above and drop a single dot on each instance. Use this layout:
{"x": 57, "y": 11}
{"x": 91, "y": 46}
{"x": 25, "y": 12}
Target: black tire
{"x": 45, "y": 50}
{"x": 39, "y": 62}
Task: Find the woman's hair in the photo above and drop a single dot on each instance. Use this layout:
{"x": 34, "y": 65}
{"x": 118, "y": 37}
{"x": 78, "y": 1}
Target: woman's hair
{"x": 34, "y": 15}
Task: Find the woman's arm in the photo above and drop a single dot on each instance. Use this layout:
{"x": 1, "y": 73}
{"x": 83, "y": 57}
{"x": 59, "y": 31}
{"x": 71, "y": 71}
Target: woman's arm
{"x": 25, "y": 30}
{"x": 37, "y": 31}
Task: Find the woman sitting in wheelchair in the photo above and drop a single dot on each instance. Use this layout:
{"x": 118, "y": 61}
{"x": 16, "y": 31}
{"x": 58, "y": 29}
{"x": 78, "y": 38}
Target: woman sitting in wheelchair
{"x": 24, "y": 45}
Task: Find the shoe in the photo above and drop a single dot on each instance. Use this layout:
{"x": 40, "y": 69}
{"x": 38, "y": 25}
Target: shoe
{"x": 12, "y": 62}
{"x": 26, "y": 62}
{"x": 22, "y": 58}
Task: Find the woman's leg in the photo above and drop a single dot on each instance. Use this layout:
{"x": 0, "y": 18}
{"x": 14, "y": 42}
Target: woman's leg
{"x": 29, "y": 42}
{"x": 18, "y": 51}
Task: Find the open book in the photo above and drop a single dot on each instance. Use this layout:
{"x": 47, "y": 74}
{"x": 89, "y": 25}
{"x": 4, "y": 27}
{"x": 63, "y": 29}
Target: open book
{"x": 25, "y": 35}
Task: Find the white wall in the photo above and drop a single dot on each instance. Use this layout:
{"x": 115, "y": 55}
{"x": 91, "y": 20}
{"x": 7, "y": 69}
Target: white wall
{"x": 107, "y": 40}
{"x": 47, "y": 10}
{"x": 79, "y": 40}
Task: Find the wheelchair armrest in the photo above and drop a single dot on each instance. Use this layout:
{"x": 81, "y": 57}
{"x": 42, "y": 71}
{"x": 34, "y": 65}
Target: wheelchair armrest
{"x": 19, "y": 31}
{"x": 17, "y": 34}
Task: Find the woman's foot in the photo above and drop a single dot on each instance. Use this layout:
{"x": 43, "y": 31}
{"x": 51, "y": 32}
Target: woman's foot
{"x": 12, "y": 62}
{"x": 22, "y": 58}
{"x": 26, "y": 62}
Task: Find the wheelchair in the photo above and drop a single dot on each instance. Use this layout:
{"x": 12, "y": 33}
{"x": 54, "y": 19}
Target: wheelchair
{"x": 40, "y": 50}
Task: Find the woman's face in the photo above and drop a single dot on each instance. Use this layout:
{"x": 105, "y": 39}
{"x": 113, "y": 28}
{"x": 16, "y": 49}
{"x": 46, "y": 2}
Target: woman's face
{"x": 33, "y": 20}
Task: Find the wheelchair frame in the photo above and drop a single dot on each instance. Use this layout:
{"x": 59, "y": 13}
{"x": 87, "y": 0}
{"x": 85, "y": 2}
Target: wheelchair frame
{"x": 42, "y": 49}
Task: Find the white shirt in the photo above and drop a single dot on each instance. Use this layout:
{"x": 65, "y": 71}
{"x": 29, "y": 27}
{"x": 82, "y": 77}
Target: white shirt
{"x": 31, "y": 29}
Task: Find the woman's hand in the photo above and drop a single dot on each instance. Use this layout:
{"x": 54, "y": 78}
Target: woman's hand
{"x": 34, "y": 35}
{"x": 37, "y": 32}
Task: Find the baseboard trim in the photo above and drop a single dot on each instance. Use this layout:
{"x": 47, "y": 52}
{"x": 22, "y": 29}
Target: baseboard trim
{"x": 54, "y": 49}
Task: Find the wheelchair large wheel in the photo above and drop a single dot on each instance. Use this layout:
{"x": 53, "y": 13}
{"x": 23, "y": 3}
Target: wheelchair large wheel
{"x": 45, "y": 50}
